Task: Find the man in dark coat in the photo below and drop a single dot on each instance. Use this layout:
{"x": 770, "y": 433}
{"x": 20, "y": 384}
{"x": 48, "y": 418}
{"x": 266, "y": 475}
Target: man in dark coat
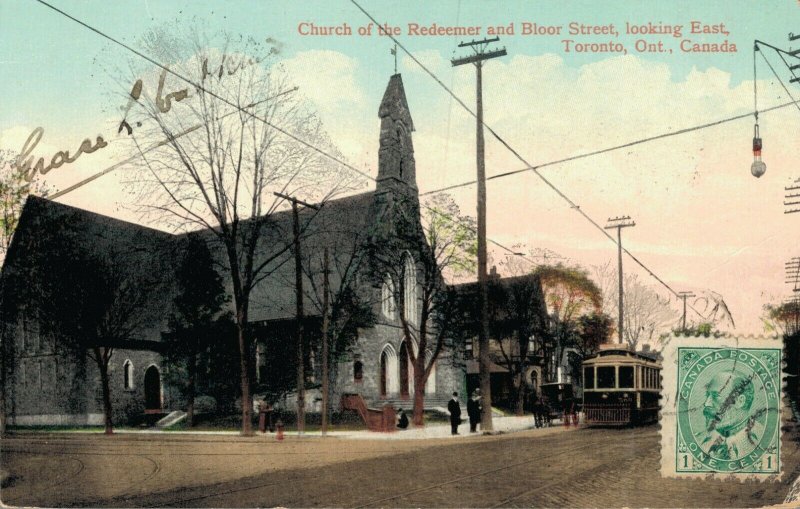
{"x": 455, "y": 413}
{"x": 474, "y": 410}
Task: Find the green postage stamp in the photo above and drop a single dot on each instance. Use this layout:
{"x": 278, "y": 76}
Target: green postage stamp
{"x": 721, "y": 407}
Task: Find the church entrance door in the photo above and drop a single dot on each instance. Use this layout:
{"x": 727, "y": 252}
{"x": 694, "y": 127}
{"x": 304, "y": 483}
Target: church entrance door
{"x": 152, "y": 389}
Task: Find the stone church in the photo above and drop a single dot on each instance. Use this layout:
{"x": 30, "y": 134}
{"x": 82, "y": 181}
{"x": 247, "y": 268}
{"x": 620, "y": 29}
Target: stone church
{"x": 45, "y": 382}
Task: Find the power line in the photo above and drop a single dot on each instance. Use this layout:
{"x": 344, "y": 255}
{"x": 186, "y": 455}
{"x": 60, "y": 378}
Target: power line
{"x": 516, "y": 154}
{"x": 199, "y": 87}
{"x": 161, "y": 143}
{"x": 611, "y": 149}
{"x": 778, "y": 77}
{"x": 239, "y": 108}
{"x": 349, "y": 166}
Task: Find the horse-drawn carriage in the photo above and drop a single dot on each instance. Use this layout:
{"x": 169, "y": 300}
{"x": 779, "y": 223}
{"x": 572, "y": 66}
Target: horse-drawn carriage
{"x": 556, "y": 402}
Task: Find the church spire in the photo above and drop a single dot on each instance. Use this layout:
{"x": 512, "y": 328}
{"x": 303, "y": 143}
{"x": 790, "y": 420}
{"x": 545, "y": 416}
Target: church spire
{"x": 396, "y": 167}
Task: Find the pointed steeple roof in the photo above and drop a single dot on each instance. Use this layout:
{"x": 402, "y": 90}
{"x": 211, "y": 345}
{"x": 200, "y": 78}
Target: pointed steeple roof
{"x": 394, "y": 103}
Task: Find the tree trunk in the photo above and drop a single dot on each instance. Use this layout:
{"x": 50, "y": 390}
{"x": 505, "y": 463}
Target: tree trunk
{"x": 102, "y": 365}
{"x": 418, "y": 417}
{"x": 191, "y": 390}
{"x": 519, "y": 390}
{"x": 325, "y": 348}
{"x": 244, "y": 352}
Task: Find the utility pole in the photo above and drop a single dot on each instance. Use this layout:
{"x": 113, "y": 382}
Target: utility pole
{"x": 684, "y": 295}
{"x": 325, "y": 347}
{"x": 298, "y": 281}
{"x": 619, "y": 223}
{"x": 480, "y": 54}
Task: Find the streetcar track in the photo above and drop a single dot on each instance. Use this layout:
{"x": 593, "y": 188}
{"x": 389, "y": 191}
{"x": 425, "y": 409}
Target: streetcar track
{"x": 293, "y": 479}
{"x": 602, "y": 467}
{"x": 282, "y": 483}
{"x": 476, "y": 474}
{"x": 59, "y": 482}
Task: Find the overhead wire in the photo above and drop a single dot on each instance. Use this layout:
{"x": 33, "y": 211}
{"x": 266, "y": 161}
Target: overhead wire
{"x": 516, "y": 154}
{"x": 201, "y": 88}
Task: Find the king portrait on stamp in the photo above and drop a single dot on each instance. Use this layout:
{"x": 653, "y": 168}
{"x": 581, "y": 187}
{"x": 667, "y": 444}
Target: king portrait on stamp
{"x": 721, "y": 407}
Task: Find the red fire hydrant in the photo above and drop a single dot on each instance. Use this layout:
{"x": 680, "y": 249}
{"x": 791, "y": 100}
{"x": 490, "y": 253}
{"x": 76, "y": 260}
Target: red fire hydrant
{"x": 279, "y": 426}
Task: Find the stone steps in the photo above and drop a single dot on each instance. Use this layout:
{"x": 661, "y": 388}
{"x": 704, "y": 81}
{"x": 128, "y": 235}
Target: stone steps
{"x": 171, "y": 418}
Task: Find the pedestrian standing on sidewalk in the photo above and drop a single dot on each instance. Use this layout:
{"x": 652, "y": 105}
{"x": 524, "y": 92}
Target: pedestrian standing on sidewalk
{"x": 474, "y": 408}
{"x": 455, "y": 414}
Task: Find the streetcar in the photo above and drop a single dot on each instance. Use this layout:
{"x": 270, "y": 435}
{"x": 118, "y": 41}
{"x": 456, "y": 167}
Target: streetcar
{"x": 621, "y": 387}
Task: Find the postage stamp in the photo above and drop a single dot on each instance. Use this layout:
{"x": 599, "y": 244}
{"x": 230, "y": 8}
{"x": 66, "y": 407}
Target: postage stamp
{"x": 721, "y": 407}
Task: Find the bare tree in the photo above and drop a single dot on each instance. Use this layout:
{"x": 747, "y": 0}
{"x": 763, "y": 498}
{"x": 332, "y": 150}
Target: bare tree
{"x": 647, "y": 314}
{"x": 234, "y": 134}
{"x": 428, "y": 310}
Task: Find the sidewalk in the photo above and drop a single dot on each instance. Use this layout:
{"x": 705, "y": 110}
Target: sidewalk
{"x": 439, "y": 430}
{"x": 501, "y": 425}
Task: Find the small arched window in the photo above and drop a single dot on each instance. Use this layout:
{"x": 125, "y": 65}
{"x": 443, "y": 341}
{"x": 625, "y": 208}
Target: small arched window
{"x": 387, "y": 298}
{"x": 127, "y": 374}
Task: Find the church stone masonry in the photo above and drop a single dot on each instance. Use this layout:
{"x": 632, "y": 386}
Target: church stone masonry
{"x": 45, "y": 384}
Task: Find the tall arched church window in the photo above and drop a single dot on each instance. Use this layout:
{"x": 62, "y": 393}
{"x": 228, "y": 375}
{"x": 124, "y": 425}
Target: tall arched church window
{"x": 387, "y": 297}
{"x": 127, "y": 374}
{"x": 358, "y": 373}
{"x": 410, "y": 289}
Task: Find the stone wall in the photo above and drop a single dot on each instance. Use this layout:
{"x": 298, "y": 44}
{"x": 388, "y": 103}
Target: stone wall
{"x": 52, "y": 385}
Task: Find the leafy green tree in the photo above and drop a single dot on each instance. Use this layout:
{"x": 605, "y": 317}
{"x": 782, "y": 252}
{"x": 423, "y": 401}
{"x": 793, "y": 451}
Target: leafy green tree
{"x": 782, "y": 318}
{"x": 198, "y": 315}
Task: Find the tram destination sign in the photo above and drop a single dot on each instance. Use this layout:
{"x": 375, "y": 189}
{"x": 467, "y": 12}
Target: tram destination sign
{"x": 721, "y": 407}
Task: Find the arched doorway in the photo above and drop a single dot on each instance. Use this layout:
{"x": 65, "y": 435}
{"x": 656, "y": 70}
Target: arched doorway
{"x": 403, "y": 370}
{"x": 152, "y": 389}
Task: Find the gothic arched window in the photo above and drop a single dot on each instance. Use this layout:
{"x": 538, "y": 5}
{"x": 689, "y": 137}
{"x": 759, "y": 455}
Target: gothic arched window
{"x": 410, "y": 289}
{"x": 127, "y": 374}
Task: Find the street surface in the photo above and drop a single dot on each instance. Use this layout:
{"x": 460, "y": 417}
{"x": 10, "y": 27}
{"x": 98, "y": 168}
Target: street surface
{"x": 550, "y": 468}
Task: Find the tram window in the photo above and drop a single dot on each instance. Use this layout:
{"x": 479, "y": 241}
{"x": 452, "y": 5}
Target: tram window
{"x": 626, "y": 377}
{"x": 588, "y": 378}
{"x": 649, "y": 384}
{"x": 605, "y": 377}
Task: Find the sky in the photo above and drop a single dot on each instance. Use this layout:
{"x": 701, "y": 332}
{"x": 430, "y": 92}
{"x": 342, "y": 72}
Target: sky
{"x": 703, "y": 223}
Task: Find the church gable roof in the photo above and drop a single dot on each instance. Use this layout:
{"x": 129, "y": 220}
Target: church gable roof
{"x": 340, "y": 225}
{"x": 132, "y": 251}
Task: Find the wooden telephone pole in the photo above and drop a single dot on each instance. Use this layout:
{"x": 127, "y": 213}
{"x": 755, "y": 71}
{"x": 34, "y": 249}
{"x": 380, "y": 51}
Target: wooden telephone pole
{"x": 298, "y": 279}
{"x": 479, "y": 47}
{"x": 619, "y": 223}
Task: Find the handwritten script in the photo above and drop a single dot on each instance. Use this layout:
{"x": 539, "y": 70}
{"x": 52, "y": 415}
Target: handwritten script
{"x": 25, "y": 164}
